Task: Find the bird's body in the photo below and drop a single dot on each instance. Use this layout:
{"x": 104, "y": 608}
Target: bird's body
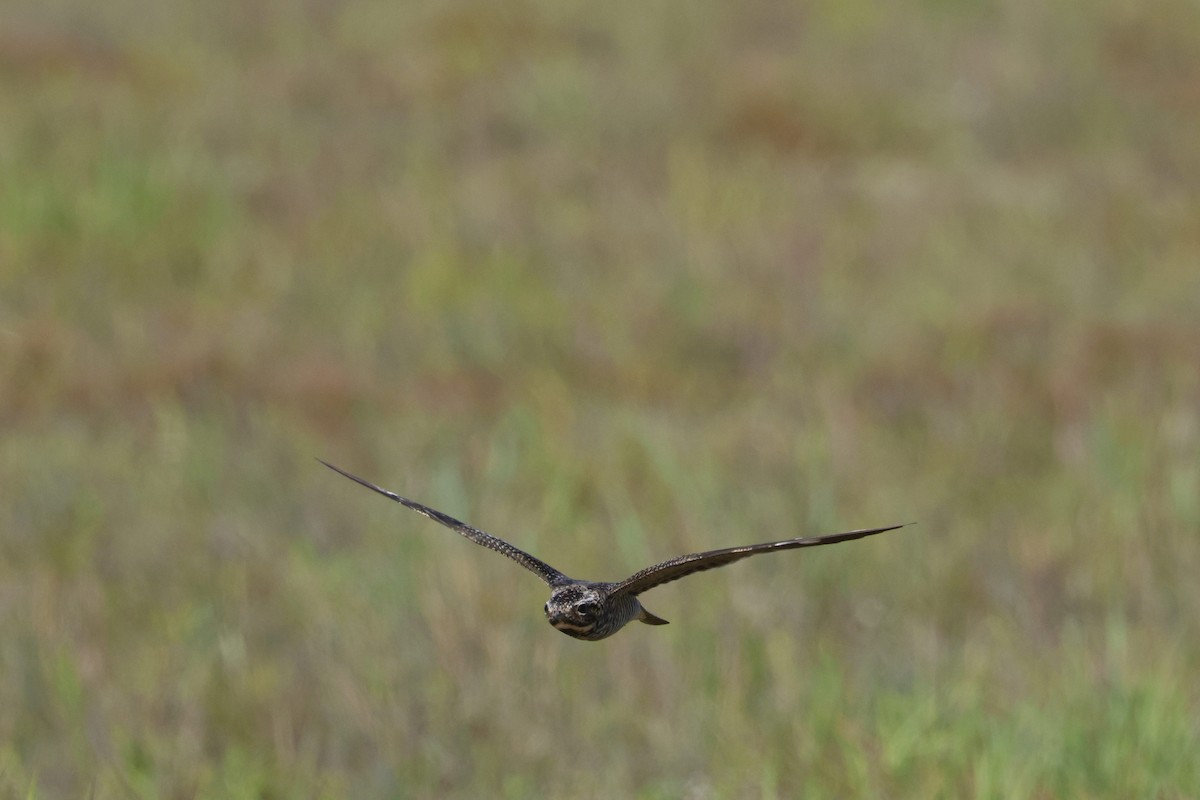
{"x": 588, "y": 610}
{"x": 594, "y": 610}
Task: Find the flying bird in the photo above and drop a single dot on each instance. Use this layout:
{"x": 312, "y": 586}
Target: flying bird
{"x": 595, "y": 610}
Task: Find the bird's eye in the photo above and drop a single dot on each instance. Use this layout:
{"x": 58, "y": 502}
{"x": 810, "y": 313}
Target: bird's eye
{"x": 586, "y": 609}
{"x": 546, "y": 608}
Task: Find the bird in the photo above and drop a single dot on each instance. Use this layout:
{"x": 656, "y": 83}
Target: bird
{"x": 595, "y": 610}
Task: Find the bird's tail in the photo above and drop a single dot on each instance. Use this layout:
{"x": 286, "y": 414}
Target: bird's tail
{"x": 648, "y": 618}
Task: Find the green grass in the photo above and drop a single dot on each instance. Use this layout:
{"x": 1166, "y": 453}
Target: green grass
{"x": 615, "y": 282}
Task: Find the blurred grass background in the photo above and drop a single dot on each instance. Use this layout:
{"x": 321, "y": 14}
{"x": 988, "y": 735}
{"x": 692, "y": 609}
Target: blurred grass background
{"x": 616, "y": 282}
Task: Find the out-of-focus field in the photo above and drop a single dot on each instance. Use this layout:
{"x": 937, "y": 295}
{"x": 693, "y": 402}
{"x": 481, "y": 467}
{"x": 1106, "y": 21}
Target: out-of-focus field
{"x": 616, "y": 282}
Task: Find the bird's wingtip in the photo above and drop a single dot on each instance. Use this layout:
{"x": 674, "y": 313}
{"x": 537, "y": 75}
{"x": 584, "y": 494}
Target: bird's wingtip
{"x": 338, "y": 470}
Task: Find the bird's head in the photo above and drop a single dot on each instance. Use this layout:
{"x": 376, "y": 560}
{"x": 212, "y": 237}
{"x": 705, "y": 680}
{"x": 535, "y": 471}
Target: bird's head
{"x": 575, "y": 610}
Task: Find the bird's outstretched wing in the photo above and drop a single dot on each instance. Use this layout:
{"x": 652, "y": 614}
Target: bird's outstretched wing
{"x": 540, "y": 568}
{"x": 681, "y": 566}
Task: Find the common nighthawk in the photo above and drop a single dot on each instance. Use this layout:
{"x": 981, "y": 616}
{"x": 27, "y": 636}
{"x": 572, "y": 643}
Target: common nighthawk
{"x": 593, "y": 610}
